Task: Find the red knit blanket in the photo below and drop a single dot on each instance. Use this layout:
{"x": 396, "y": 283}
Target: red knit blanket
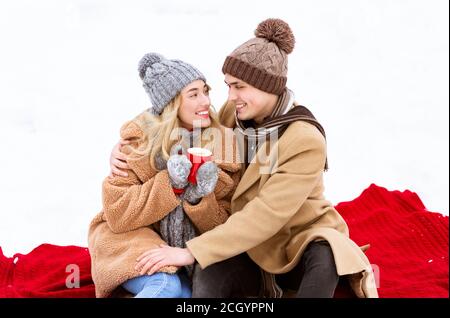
{"x": 409, "y": 252}
{"x": 409, "y": 245}
{"x": 47, "y": 271}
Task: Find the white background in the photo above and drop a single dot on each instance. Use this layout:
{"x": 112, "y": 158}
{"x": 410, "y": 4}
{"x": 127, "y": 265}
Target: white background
{"x": 375, "y": 74}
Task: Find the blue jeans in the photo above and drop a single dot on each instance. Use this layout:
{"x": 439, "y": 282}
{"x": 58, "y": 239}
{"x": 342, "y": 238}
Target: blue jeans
{"x": 159, "y": 285}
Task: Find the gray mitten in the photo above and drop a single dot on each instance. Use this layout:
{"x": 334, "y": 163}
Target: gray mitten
{"x": 178, "y": 167}
{"x": 207, "y": 176}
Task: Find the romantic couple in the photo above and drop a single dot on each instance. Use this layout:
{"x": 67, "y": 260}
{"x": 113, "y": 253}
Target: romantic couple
{"x": 248, "y": 227}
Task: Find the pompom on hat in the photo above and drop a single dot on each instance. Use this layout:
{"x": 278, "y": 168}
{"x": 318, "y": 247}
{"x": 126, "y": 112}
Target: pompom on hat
{"x": 262, "y": 61}
{"x": 163, "y": 79}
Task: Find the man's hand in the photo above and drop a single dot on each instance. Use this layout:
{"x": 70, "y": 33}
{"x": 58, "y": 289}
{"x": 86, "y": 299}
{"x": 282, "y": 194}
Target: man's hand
{"x": 118, "y": 160}
{"x": 153, "y": 260}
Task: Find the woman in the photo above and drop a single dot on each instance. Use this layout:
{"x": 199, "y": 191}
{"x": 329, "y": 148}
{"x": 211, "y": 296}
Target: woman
{"x": 155, "y": 205}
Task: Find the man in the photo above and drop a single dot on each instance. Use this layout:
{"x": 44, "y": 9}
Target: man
{"x": 281, "y": 224}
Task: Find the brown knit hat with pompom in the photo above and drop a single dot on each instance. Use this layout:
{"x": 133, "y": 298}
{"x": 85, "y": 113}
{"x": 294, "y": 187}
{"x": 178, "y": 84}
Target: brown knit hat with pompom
{"x": 262, "y": 61}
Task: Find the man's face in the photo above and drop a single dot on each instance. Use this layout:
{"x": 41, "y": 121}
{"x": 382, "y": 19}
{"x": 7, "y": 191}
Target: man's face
{"x": 251, "y": 103}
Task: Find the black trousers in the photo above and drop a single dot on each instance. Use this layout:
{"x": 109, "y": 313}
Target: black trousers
{"x": 314, "y": 276}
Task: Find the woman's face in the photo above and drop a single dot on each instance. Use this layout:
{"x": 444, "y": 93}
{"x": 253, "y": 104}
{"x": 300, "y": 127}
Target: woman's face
{"x": 195, "y": 103}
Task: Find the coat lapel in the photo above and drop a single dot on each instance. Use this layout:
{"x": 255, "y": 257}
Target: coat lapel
{"x": 256, "y": 168}
{"x": 251, "y": 175}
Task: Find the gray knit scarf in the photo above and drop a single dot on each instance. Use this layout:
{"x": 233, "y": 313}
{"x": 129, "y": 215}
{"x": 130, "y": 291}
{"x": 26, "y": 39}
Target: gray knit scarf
{"x": 176, "y": 228}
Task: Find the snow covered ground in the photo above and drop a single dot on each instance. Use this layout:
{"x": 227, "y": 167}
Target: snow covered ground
{"x": 375, "y": 73}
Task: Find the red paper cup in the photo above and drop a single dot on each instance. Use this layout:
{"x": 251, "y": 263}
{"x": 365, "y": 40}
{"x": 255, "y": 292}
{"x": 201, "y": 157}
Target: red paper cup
{"x": 197, "y": 156}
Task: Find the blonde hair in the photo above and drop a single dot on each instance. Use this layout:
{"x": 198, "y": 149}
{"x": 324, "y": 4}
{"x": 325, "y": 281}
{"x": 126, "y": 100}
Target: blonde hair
{"x": 165, "y": 131}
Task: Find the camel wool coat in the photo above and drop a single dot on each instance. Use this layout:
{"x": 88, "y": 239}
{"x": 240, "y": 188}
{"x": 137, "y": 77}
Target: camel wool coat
{"x": 128, "y": 224}
{"x": 279, "y": 207}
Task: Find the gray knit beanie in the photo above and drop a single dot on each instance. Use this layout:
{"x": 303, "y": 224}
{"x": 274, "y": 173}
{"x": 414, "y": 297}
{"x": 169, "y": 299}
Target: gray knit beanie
{"x": 163, "y": 79}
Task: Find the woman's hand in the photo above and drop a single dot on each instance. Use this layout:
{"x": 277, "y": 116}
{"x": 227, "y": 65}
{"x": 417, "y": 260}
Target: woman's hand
{"x": 153, "y": 260}
{"x": 118, "y": 160}
{"x": 178, "y": 167}
{"x": 207, "y": 176}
